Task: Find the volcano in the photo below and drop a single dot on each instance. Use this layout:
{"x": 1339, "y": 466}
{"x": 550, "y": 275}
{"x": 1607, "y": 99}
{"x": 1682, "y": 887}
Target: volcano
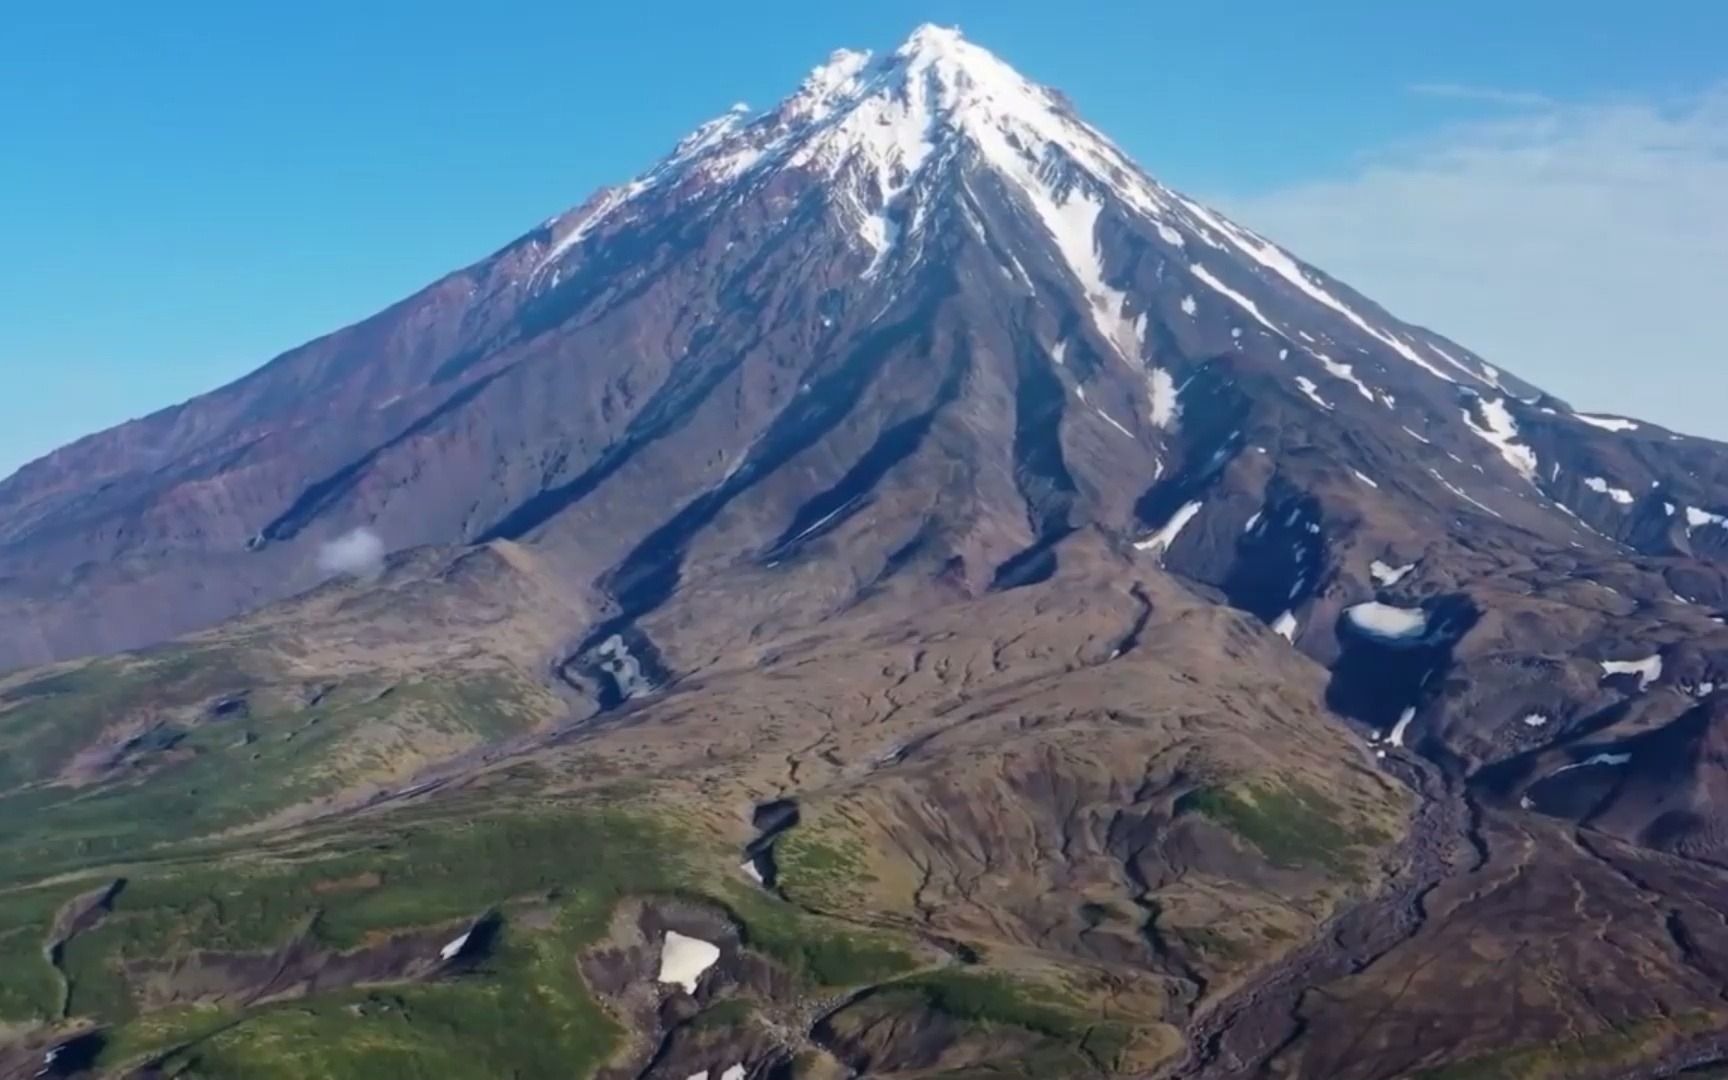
{"x": 1109, "y": 644}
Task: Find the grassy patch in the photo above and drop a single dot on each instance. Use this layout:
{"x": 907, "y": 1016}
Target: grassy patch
{"x": 1618, "y": 1047}
{"x": 223, "y": 772}
{"x": 1292, "y": 827}
{"x": 814, "y": 947}
{"x": 1073, "y": 1043}
{"x": 1210, "y": 942}
{"x": 995, "y": 999}
{"x": 822, "y": 869}
{"x": 731, "y": 1013}
{"x": 526, "y": 1015}
{"x": 426, "y": 873}
{"x": 30, "y": 988}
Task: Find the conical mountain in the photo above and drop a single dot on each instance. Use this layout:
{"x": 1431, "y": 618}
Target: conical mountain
{"x": 1074, "y": 582}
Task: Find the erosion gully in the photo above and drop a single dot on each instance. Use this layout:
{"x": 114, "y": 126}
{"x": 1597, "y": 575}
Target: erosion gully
{"x": 1239, "y": 1035}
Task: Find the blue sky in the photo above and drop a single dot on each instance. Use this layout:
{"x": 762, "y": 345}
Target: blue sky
{"x": 188, "y": 189}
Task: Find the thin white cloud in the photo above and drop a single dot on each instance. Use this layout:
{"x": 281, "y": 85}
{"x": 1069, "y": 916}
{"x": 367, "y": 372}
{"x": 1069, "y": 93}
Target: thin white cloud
{"x": 1483, "y": 95}
{"x": 1583, "y": 246}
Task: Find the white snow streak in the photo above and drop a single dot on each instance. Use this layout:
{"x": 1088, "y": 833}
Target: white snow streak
{"x": 1606, "y": 423}
{"x": 1306, "y": 385}
{"x": 1396, "y": 738}
{"x": 451, "y": 949}
{"x": 1280, "y": 263}
{"x": 1161, "y": 394}
{"x": 1345, "y": 372}
{"x": 1232, "y": 295}
{"x": 1500, "y": 432}
{"x": 1162, "y": 539}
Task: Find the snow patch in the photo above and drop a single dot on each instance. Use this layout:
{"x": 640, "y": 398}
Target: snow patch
{"x": 1188, "y": 306}
{"x": 1161, "y": 393}
{"x": 683, "y": 960}
{"x": 1648, "y": 669}
{"x": 1237, "y": 298}
{"x": 1364, "y": 477}
{"x": 1396, "y": 738}
{"x": 1164, "y": 537}
{"x": 1285, "y": 626}
{"x": 1698, "y": 519}
{"x": 1386, "y": 621}
{"x": 1602, "y": 487}
{"x": 1306, "y": 385}
{"x": 1606, "y": 423}
{"x": 1387, "y": 576}
{"x": 1535, "y": 720}
{"x": 617, "y": 661}
{"x": 1345, "y": 372}
{"x": 1500, "y": 432}
{"x": 450, "y": 950}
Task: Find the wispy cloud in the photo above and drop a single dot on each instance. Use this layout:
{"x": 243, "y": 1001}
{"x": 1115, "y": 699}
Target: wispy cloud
{"x": 359, "y": 552}
{"x": 1584, "y": 246}
{"x": 1485, "y": 95}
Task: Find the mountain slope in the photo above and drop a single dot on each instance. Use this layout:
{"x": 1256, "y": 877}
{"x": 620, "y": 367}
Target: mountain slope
{"x": 825, "y": 244}
{"x": 1139, "y": 650}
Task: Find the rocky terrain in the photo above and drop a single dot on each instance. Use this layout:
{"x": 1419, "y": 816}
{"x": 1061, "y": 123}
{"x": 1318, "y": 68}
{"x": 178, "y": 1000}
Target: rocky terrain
{"x": 894, "y": 590}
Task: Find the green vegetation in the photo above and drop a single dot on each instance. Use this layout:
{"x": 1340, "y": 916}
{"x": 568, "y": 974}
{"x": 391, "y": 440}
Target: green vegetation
{"x": 192, "y": 774}
{"x": 1620, "y": 1046}
{"x": 555, "y": 873}
{"x": 529, "y": 1015}
{"x": 423, "y": 873}
{"x": 731, "y": 1013}
{"x": 1293, "y": 827}
{"x": 1210, "y": 942}
{"x": 815, "y": 948}
{"x": 822, "y": 868}
{"x": 1077, "y": 1044}
{"x": 45, "y": 721}
{"x": 30, "y": 987}
{"x": 995, "y": 999}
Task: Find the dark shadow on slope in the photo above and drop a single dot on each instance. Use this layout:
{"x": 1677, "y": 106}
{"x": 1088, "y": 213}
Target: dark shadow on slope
{"x": 671, "y": 407}
{"x": 1040, "y": 467}
{"x": 1208, "y": 438}
{"x": 1281, "y": 557}
{"x": 323, "y": 494}
{"x": 650, "y": 572}
{"x": 829, "y": 509}
{"x": 676, "y": 401}
{"x": 1377, "y": 678}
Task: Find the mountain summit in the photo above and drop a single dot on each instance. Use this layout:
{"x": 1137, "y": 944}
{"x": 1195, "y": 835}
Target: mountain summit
{"x": 1009, "y": 617}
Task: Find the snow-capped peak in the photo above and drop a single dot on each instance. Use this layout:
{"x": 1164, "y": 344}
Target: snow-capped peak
{"x": 890, "y": 138}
